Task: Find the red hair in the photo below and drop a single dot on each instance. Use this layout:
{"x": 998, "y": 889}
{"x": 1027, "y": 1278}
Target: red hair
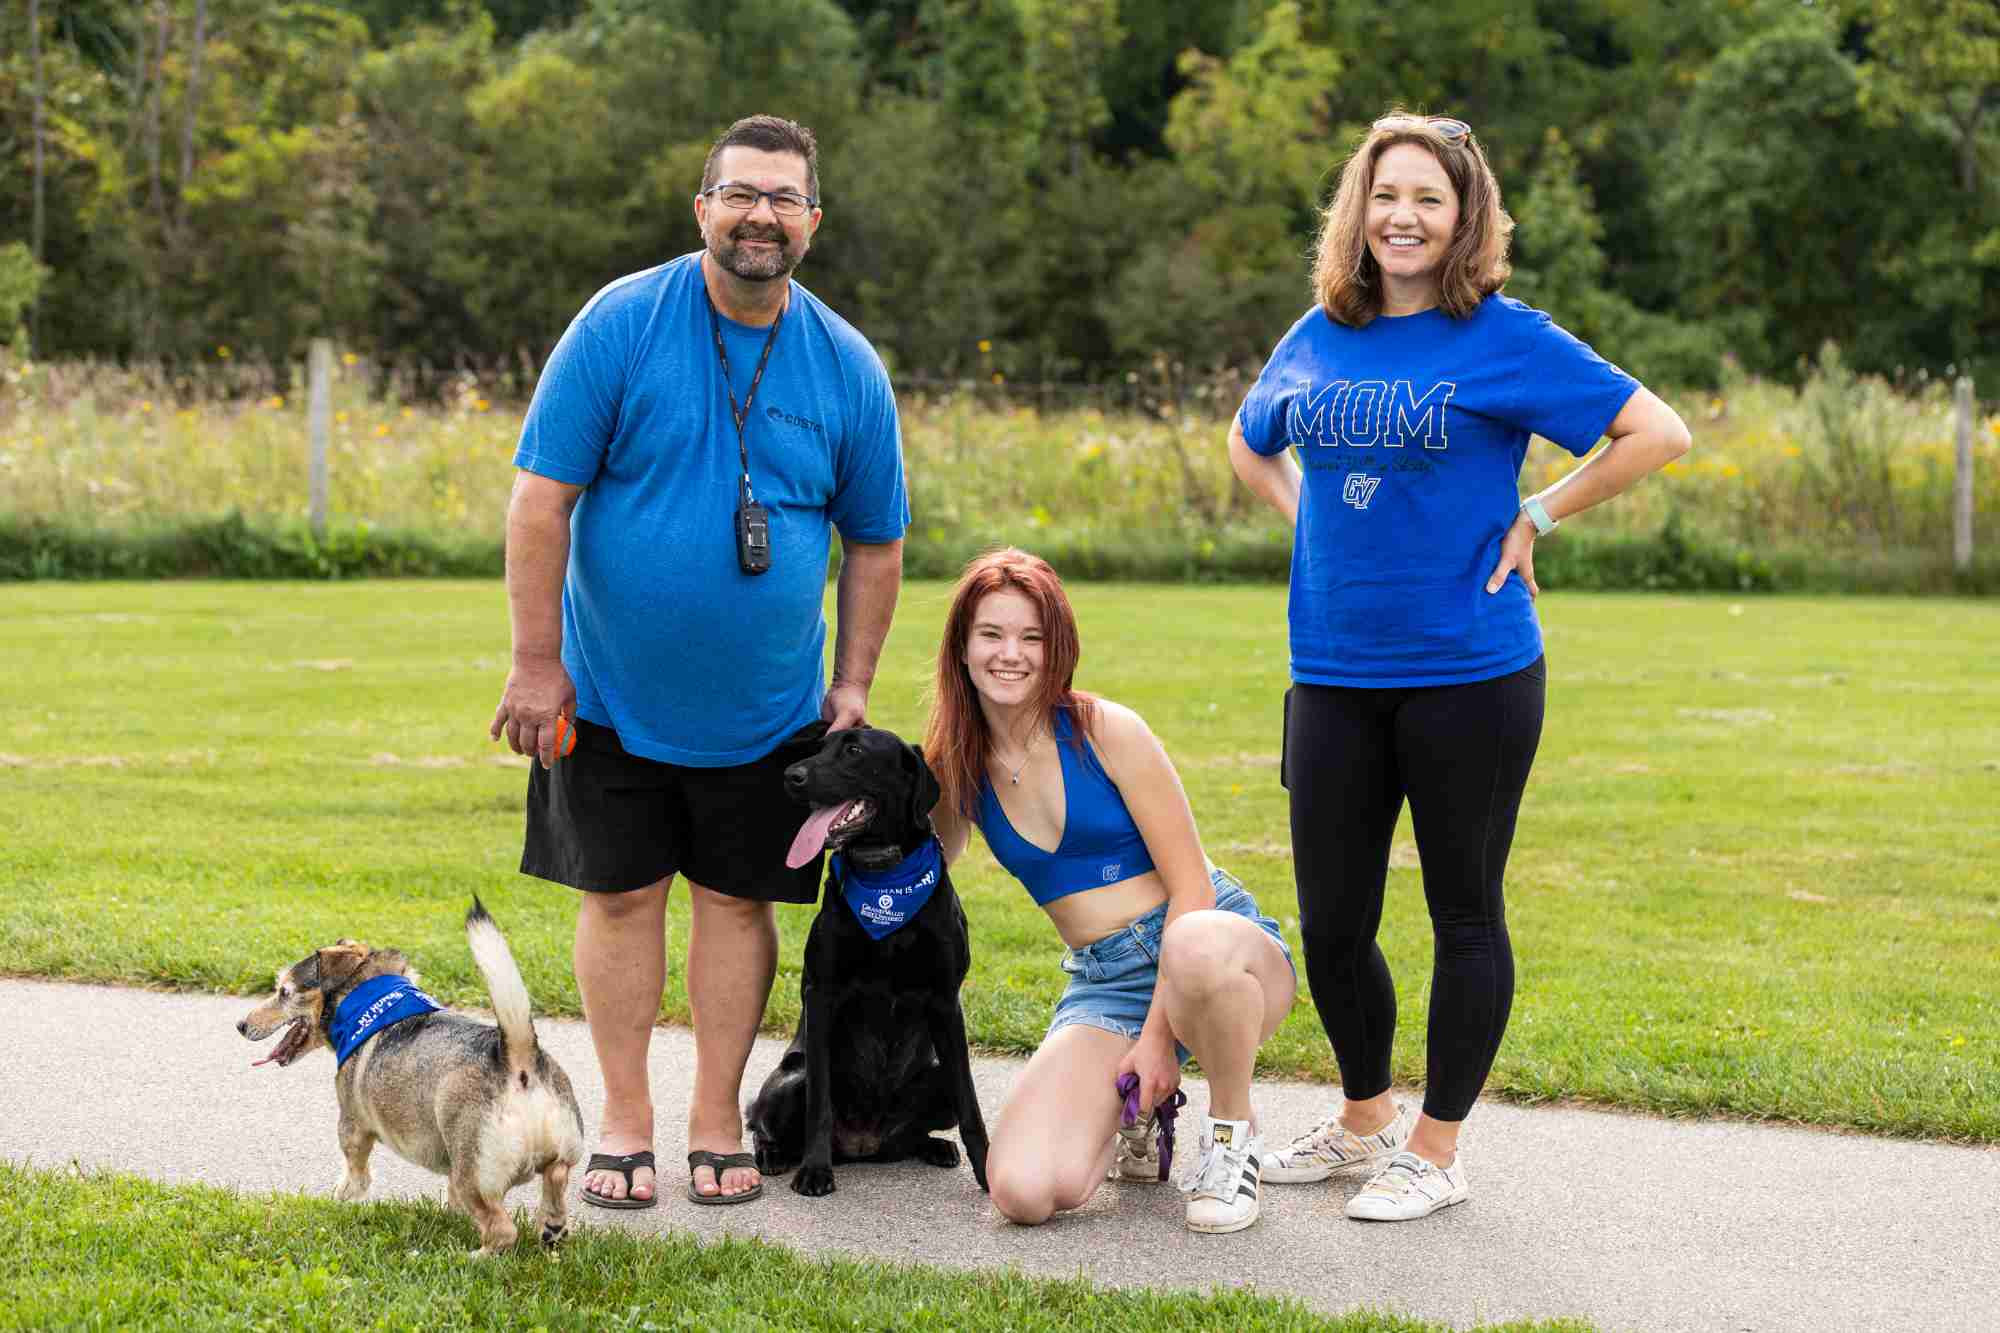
{"x": 957, "y": 743}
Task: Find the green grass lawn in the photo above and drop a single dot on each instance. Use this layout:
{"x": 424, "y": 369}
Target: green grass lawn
{"x": 1755, "y": 873}
{"x": 106, "y": 1251}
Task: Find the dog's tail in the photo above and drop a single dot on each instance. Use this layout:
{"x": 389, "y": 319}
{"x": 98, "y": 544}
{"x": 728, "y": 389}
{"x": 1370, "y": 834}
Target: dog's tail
{"x": 505, "y": 988}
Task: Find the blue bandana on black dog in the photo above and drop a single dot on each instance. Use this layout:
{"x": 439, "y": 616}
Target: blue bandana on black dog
{"x": 884, "y": 901}
{"x": 376, "y": 1004}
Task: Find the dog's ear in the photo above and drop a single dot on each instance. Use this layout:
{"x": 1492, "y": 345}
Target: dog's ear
{"x": 339, "y": 962}
{"x": 924, "y": 788}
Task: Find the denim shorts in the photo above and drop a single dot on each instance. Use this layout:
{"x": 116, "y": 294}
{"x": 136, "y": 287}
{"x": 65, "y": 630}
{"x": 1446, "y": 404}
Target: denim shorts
{"x": 1111, "y": 981}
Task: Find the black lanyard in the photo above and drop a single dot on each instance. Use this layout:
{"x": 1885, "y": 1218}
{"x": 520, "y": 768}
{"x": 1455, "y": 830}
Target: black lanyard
{"x": 741, "y": 414}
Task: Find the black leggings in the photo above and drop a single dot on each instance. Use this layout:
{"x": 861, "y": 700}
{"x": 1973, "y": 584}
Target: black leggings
{"x": 1461, "y": 754}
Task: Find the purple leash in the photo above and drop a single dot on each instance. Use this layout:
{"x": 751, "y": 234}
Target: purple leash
{"x": 1163, "y": 1117}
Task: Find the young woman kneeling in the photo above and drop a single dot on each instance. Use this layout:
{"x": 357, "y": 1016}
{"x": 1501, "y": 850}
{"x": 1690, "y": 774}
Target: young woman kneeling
{"x": 1167, "y": 956}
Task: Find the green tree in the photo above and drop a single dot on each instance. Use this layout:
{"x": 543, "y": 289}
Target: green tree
{"x": 1787, "y": 204}
{"x": 21, "y": 279}
{"x": 1560, "y": 267}
{"x": 1225, "y": 269}
{"x": 1935, "y": 66}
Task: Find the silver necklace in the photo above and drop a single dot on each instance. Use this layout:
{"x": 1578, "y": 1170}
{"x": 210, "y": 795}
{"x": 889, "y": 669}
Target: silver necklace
{"x": 1014, "y": 774}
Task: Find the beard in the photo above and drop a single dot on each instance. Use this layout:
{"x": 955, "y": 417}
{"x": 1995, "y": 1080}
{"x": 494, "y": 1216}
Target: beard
{"x": 759, "y": 264}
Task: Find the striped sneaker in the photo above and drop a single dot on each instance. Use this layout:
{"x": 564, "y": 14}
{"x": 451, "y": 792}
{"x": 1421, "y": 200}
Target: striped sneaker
{"x": 1409, "y": 1188}
{"x": 1223, "y": 1189}
{"x": 1329, "y": 1147}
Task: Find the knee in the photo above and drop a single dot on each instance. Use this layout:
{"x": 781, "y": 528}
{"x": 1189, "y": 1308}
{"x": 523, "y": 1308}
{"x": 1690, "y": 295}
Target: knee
{"x": 624, "y": 907}
{"x": 1198, "y": 954}
{"x": 1029, "y": 1188}
{"x": 1020, "y": 1193}
{"x": 713, "y": 905}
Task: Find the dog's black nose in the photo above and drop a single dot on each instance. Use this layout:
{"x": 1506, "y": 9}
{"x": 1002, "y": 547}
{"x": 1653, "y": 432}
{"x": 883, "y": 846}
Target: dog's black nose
{"x": 242, "y": 1027}
{"x": 795, "y": 777}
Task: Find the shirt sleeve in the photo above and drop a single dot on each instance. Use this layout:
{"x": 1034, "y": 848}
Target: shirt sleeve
{"x": 869, "y": 502}
{"x": 574, "y": 414}
{"x": 1563, "y": 390}
{"x": 1269, "y": 402}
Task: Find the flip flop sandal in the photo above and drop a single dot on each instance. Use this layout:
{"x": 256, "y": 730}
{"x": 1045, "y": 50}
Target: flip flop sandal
{"x": 721, "y": 1162}
{"x": 624, "y": 1166}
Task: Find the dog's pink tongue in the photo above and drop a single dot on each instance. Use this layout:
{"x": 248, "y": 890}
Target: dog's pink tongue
{"x": 812, "y": 834}
{"x": 265, "y": 1061}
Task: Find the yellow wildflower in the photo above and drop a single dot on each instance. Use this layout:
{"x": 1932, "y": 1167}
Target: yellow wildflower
{"x": 222, "y": 353}
{"x": 985, "y": 347}
{"x": 348, "y": 358}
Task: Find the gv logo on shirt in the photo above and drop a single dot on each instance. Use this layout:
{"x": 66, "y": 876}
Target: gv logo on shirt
{"x": 1362, "y": 414}
{"x": 1360, "y": 489}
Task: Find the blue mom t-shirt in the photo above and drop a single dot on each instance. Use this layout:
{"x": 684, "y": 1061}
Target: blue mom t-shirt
{"x": 689, "y": 659}
{"x": 1410, "y": 433}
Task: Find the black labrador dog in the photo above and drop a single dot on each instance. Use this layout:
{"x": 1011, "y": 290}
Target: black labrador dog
{"x": 880, "y": 1060}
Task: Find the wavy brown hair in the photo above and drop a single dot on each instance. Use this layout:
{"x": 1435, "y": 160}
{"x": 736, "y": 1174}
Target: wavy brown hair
{"x": 1346, "y": 279}
{"x": 957, "y": 742}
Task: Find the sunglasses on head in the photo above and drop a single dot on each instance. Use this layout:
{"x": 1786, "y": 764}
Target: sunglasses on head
{"x": 1448, "y": 129}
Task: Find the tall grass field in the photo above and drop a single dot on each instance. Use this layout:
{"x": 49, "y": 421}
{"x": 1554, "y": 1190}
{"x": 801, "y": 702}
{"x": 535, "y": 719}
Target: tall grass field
{"x": 1843, "y": 483}
{"x": 1755, "y": 872}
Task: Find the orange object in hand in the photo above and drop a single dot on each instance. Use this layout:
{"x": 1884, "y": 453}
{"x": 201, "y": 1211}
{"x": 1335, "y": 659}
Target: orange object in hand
{"x": 565, "y": 736}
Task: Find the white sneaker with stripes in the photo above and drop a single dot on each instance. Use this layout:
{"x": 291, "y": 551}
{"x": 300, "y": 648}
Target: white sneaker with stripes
{"x": 1409, "y": 1188}
{"x": 1330, "y": 1146}
{"x": 1222, "y": 1191}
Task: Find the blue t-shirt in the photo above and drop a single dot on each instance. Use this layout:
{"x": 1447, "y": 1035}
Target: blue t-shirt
{"x": 1410, "y": 433}
{"x": 669, "y": 643}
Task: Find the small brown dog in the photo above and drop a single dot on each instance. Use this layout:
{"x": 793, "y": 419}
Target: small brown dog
{"x": 484, "y": 1106}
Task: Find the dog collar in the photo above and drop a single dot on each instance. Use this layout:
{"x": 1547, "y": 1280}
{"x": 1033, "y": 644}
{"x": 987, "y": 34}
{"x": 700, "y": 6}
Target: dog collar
{"x": 376, "y": 1004}
{"x": 884, "y": 901}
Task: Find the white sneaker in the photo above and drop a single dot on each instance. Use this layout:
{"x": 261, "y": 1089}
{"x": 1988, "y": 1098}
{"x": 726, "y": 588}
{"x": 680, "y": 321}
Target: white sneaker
{"x": 1223, "y": 1189}
{"x": 1329, "y": 1147}
{"x": 1138, "y": 1153}
{"x": 1410, "y": 1187}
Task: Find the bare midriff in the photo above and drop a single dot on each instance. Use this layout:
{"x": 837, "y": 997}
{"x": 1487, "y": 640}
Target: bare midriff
{"x": 1088, "y": 916}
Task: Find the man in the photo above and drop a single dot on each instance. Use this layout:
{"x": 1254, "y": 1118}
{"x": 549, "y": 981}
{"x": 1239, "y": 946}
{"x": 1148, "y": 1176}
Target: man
{"x": 682, "y": 404}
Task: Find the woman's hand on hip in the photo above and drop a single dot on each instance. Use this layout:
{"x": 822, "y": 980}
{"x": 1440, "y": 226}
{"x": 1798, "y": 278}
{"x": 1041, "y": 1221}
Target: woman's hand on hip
{"x": 1517, "y": 555}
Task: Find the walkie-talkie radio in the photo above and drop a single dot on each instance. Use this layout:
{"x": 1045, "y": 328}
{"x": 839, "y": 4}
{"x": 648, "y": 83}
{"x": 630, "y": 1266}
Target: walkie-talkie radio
{"x": 753, "y": 531}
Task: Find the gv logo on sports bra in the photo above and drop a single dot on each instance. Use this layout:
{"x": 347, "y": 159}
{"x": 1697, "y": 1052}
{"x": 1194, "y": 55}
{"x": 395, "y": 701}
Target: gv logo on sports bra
{"x": 1111, "y": 872}
{"x": 1362, "y": 414}
{"x": 1360, "y": 489}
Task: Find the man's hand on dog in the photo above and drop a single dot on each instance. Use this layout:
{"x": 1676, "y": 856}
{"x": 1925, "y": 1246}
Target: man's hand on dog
{"x": 1152, "y": 1059}
{"x": 538, "y": 691}
{"x": 845, "y": 705}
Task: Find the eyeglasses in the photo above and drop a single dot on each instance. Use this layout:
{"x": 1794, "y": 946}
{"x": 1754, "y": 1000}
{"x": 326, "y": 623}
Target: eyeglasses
{"x": 1451, "y": 131}
{"x": 743, "y": 198}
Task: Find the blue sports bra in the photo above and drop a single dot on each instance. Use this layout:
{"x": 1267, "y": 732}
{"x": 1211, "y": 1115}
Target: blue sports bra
{"x": 1100, "y": 843}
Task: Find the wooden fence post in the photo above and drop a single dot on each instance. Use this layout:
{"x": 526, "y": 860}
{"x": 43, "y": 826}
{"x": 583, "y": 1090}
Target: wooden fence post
{"x": 1961, "y": 491}
{"x": 319, "y": 413}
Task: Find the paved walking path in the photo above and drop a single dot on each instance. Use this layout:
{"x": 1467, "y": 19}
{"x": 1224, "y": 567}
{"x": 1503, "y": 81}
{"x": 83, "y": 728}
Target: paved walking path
{"x": 1629, "y": 1221}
